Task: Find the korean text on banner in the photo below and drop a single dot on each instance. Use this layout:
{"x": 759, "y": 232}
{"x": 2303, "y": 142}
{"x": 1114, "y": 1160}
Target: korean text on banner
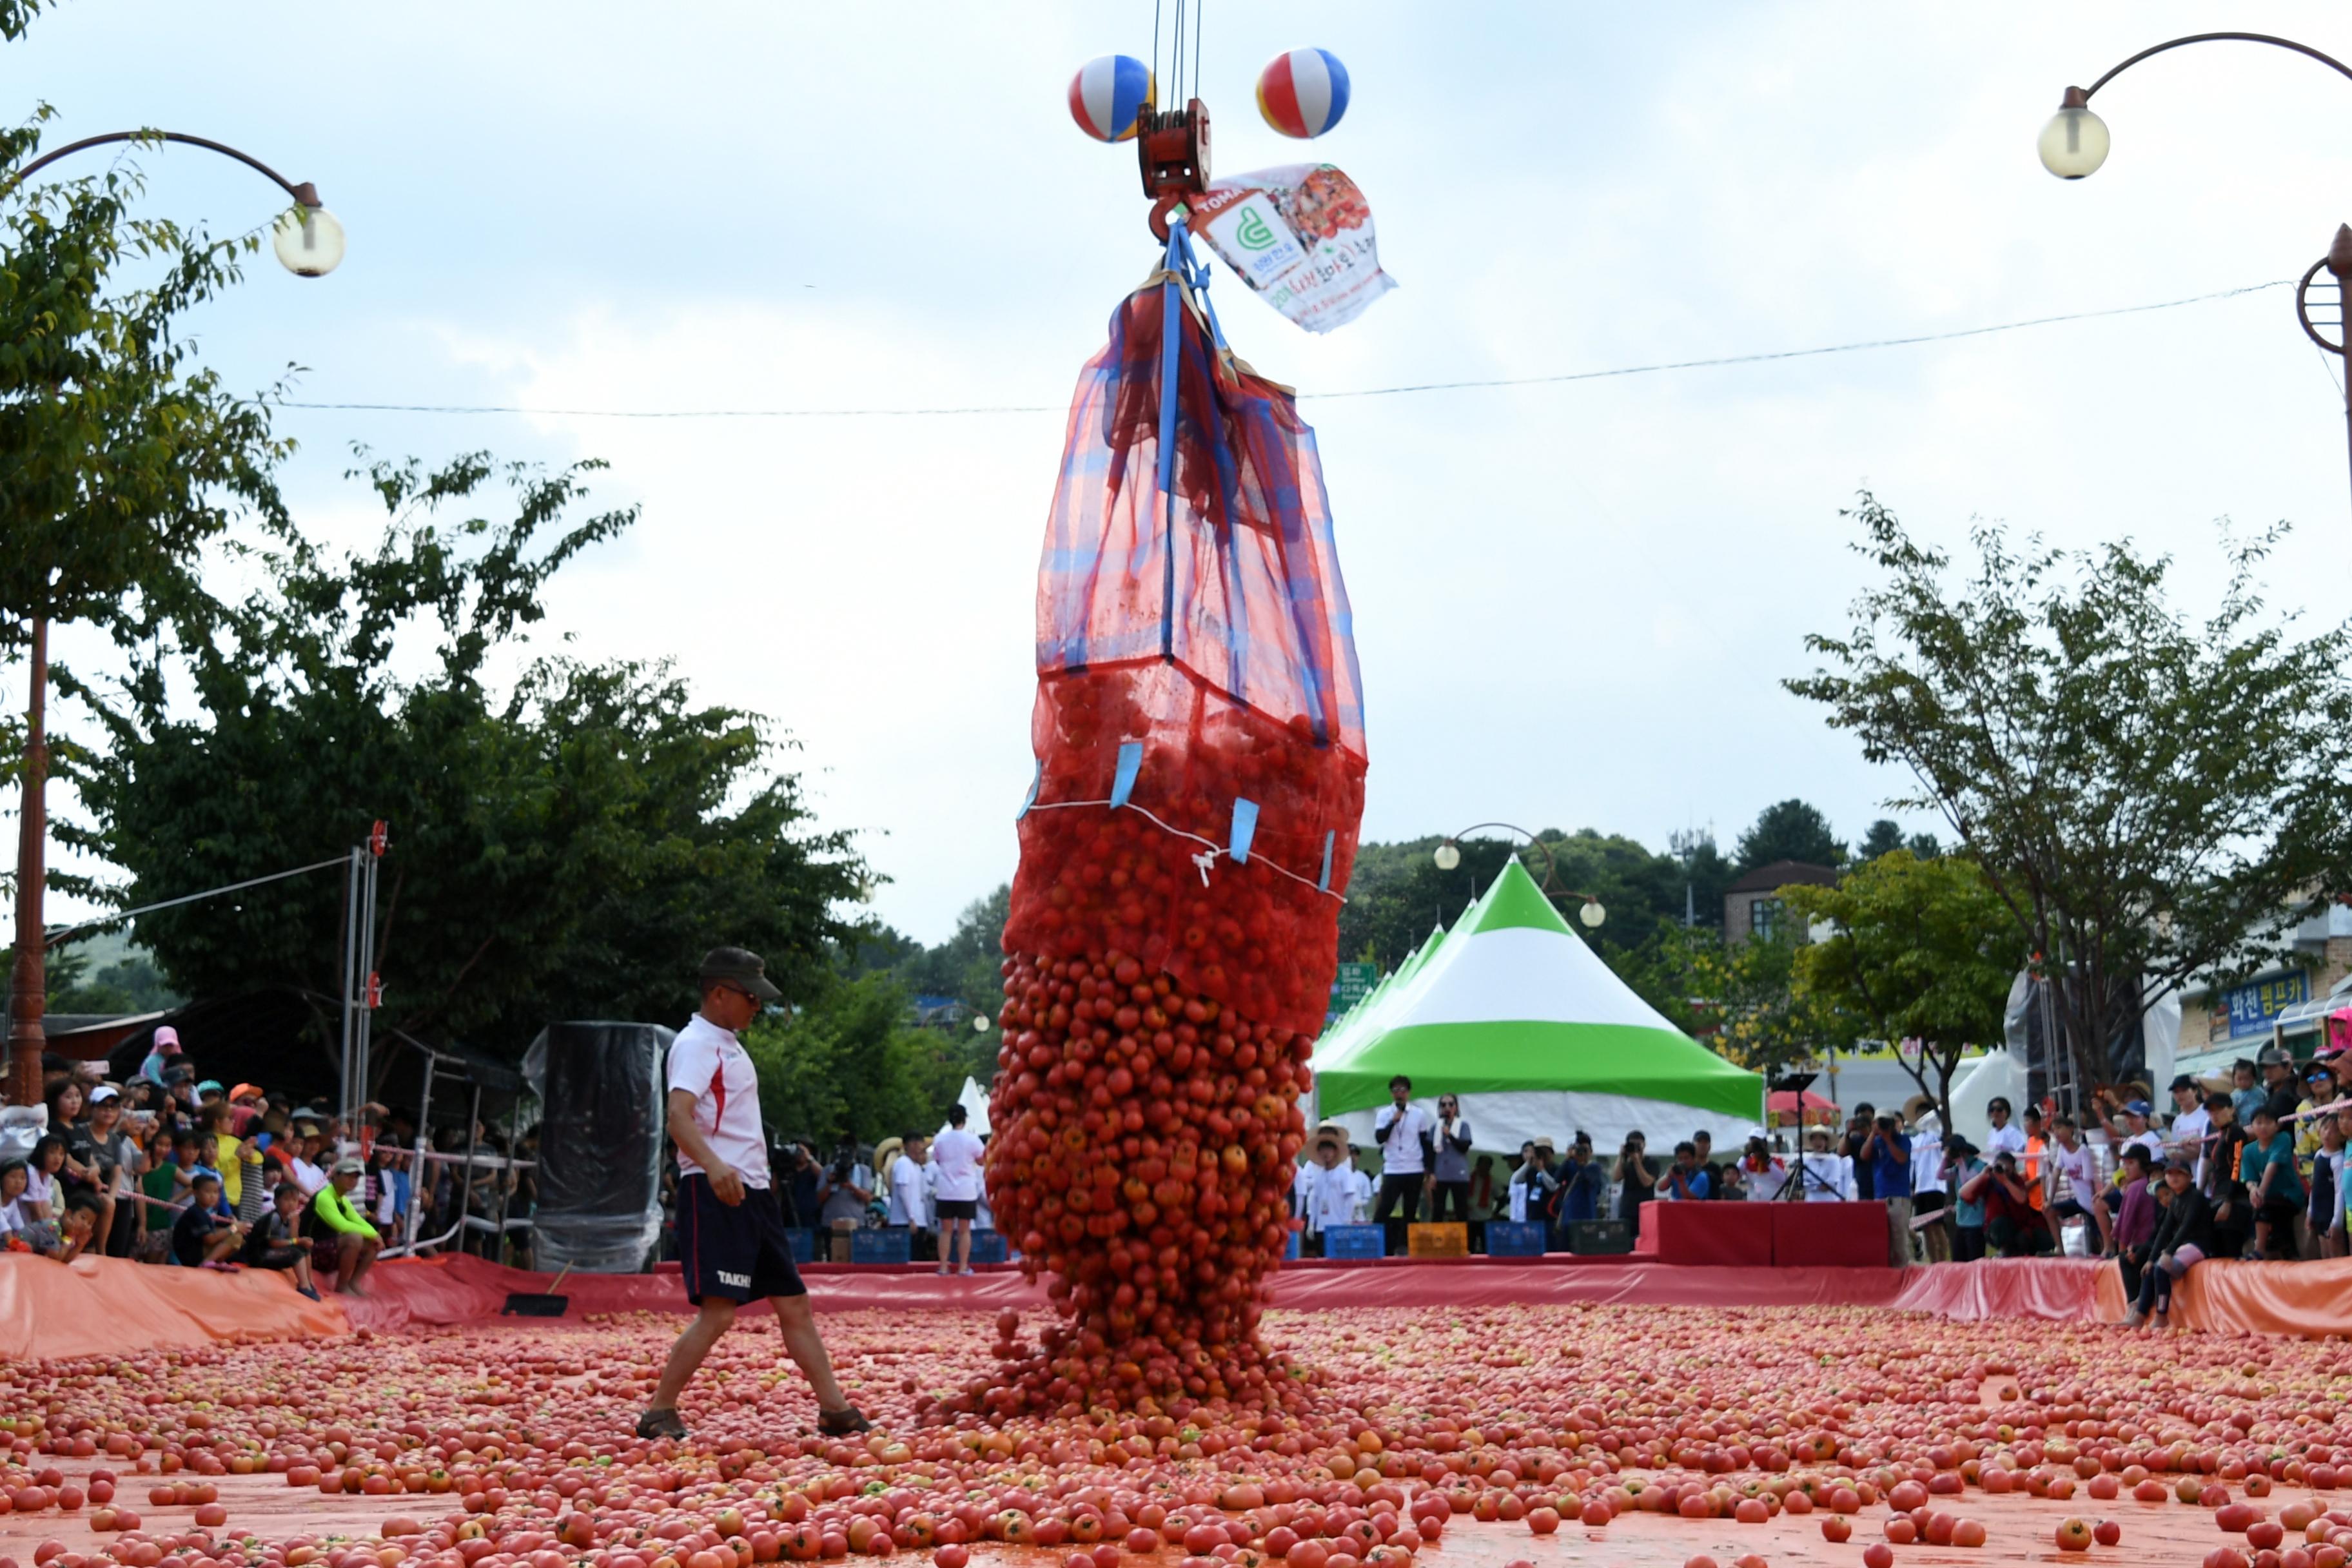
{"x": 1300, "y": 236}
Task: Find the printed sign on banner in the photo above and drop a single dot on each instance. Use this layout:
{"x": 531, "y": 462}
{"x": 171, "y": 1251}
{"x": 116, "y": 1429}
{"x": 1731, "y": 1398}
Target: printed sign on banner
{"x": 1302, "y": 237}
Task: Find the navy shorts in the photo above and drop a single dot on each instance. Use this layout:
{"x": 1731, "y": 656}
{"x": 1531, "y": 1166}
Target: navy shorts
{"x": 737, "y": 1253}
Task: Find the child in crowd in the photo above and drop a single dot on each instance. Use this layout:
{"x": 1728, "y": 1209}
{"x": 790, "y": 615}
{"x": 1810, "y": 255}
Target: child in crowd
{"x": 2225, "y": 1194}
{"x": 2274, "y": 1185}
{"x": 2136, "y": 1216}
{"x": 1962, "y": 1165}
{"x": 2326, "y": 1210}
{"x": 204, "y": 1233}
{"x": 277, "y": 1243}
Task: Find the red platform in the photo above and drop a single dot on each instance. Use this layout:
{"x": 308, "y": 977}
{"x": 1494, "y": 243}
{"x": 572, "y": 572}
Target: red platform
{"x": 1725, "y": 1236}
{"x": 1828, "y": 1236}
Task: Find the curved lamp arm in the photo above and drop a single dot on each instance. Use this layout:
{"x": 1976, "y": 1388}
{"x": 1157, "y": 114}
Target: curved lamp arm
{"x": 305, "y": 195}
{"x": 308, "y": 238}
{"x": 2075, "y": 144}
{"x": 2330, "y": 61}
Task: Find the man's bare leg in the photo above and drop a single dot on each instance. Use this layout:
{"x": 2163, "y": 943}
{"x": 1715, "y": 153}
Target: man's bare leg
{"x": 797, "y": 1324}
{"x": 715, "y": 1318}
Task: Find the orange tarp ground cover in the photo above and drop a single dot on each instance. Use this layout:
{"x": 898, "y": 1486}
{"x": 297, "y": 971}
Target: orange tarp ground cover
{"x": 2308, "y": 1300}
{"x": 104, "y": 1306}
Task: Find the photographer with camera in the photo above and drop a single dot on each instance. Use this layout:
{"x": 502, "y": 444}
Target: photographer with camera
{"x": 1887, "y": 1153}
{"x": 844, "y": 1193}
{"x": 1636, "y": 1182}
{"x": 1851, "y": 1144}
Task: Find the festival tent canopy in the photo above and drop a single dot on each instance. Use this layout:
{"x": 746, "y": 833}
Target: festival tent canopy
{"x": 1512, "y": 1012}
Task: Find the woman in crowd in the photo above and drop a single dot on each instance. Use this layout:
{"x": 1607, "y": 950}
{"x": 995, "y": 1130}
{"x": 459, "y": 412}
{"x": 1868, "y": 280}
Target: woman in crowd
{"x": 2182, "y": 1238}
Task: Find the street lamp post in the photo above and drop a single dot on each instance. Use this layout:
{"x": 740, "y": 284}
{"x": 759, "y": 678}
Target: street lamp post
{"x": 1448, "y": 855}
{"x": 2075, "y": 144}
{"x": 308, "y": 242}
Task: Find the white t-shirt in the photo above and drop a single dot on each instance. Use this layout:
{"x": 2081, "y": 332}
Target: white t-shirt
{"x": 2187, "y": 1137}
{"x": 1926, "y": 1164}
{"x": 909, "y": 1193}
{"x": 706, "y": 1062}
{"x": 1400, "y": 1133}
{"x": 1828, "y": 1178}
{"x": 956, "y": 1156}
{"x": 1363, "y": 1182}
{"x": 2011, "y": 1138}
{"x": 306, "y": 1176}
{"x": 2078, "y": 1171}
{"x": 1329, "y": 1196}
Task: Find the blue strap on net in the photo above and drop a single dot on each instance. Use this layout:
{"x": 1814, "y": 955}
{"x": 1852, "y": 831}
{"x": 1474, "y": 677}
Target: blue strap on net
{"x": 1244, "y": 829}
{"x": 1170, "y": 336}
{"x": 1330, "y": 841}
{"x": 1131, "y": 762}
{"x": 1037, "y": 783}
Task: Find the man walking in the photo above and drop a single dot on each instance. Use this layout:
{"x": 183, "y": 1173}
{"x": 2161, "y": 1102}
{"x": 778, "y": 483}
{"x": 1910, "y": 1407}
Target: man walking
{"x": 1403, "y": 1131}
{"x": 730, "y": 1229}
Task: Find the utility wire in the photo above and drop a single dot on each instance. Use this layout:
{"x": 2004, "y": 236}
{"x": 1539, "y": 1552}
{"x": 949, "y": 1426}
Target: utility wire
{"x": 1555, "y": 380}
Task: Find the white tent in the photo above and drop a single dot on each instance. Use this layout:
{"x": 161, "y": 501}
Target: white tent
{"x": 975, "y": 1100}
{"x": 1514, "y": 1013}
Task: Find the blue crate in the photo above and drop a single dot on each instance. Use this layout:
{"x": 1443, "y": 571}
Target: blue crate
{"x": 988, "y": 1246}
{"x": 1507, "y": 1240}
{"x": 804, "y": 1244}
{"x": 889, "y": 1244}
{"x": 1355, "y": 1241}
{"x": 1290, "y": 1249}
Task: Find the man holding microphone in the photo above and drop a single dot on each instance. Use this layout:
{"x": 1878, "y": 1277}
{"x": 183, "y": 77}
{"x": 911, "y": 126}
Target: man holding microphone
{"x": 1404, "y": 1133}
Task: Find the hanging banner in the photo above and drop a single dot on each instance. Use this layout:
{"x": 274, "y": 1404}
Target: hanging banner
{"x": 1300, "y": 236}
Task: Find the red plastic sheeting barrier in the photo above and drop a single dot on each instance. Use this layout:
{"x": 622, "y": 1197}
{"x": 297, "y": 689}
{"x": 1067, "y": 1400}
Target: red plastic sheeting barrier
{"x": 2310, "y": 1300}
{"x": 1828, "y": 1236}
{"x": 461, "y": 1289}
{"x": 1499, "y": 1282}
{"x": 104, "y": 1306}
{"x": 1730, "y": 1236}
{"x": 2061, "y": 1289}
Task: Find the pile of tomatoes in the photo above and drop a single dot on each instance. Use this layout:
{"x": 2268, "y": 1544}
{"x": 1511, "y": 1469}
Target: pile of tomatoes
{"x": 1144, "y": 1141}
{"x": 1160, "y": 1003}
{"x": 1154, "y": 879}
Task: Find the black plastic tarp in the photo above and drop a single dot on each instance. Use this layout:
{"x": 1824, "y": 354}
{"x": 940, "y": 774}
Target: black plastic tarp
{"x": 600, "y": 1144}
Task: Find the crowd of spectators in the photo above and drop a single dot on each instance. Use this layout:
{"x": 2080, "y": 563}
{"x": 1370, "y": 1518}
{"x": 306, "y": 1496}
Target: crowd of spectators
{"x": 926, "y": 1184}
{"x": 170, "y": 1168}
{"x": 2252, "y": 1168}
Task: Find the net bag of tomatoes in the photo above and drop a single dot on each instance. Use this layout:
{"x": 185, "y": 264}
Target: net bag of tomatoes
{"x": 1199, "y": 745}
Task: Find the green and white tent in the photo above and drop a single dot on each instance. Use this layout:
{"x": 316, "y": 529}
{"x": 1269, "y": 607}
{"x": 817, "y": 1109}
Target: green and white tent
{"x": 1513, "y": 1013}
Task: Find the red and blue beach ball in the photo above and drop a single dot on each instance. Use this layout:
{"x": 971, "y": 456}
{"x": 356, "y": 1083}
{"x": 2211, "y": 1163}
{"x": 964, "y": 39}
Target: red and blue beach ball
{"x": 1108, "y": 93}
{"x": 1304, "y": 92}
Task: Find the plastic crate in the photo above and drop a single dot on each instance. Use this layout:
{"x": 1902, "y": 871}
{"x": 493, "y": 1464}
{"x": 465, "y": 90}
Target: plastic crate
{"x": 988, "y": 1246}
{"x": 1508, "y": 1239}
{"x": 1290, "y": 1249}
{"x": 804, "y": 1244}
{"x": 889, "y": 1244}
{"x": 1444, "y": 1238}
{"x": 1355, "y": 1241}
{"x": 1600, "y": 1238}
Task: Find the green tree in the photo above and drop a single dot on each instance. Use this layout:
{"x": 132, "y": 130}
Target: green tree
{"x": 1885, "y": 835}
{"x": 1706, "y": 875}
{"x": 849, "y": 1064}
{"x": 568, "y": 849}
{"x": 1790, "y": 830}
{"x": 2147, "y": 798}
{"x": 1920, "y": 950}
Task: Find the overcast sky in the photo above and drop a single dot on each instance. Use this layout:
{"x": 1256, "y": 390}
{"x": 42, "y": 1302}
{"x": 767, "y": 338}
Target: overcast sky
{"x": 1574, "y": 603}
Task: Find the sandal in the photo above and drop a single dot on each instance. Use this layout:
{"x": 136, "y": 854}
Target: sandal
{"x": 840, "y": 1423}
{"x": 665, "y": 1423}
